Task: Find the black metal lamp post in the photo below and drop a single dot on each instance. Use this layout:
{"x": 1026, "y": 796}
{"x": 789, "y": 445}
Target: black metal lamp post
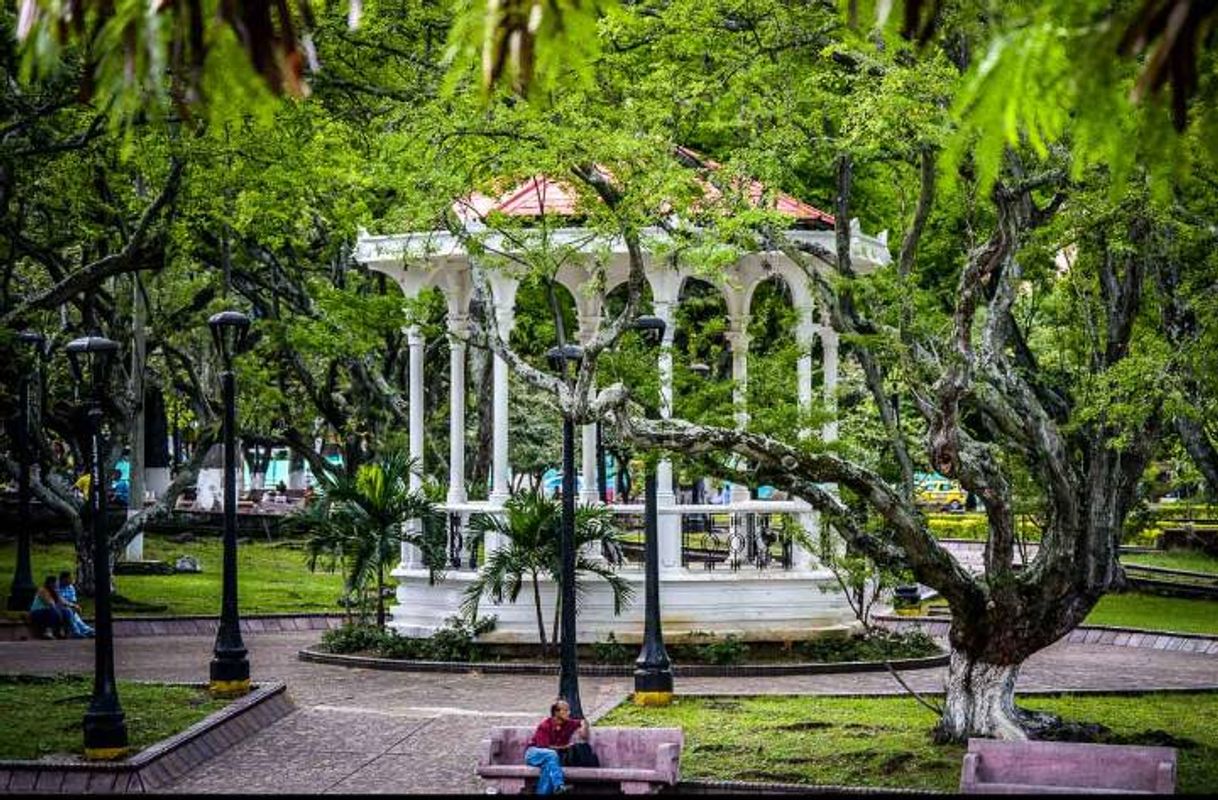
{"x": 23, "y": 589}
{"x": 105, "y": 725}
{"x": 568, "y": 675}
{"x": 230, "y": 669}
{"x": 652, "y": 669}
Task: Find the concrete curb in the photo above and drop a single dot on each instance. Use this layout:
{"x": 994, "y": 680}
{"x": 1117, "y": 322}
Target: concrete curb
{"x": 125, "y": 627}
{"x": 1199, "y": 643}
{"x": 206, "y": 626}
{"x": 160, "y": 764}
{"x": 618, "y": 670}
{"x": 697, "y": 786}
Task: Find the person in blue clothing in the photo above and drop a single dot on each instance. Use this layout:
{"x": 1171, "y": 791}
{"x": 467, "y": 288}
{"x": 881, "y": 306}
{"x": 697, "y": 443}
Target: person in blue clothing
{"x": 71, "y": 607}
{"x": 120, "y": 490}
{"x": 47, "y": 612}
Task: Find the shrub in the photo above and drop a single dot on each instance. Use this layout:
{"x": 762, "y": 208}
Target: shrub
{"x": 355, "y": 638}
{"x": 875, "y": 646}
{"x": 725, "y": 651}
{"x": 974, "y": 527}
{"x": 455, "y": 641}
{"x": 404, "y": 647}
{"x": 611, "y": 651}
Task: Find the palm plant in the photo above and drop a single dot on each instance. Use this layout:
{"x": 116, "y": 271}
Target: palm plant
{"x": 529, "y": 531}
{"x": 357, "y": 524}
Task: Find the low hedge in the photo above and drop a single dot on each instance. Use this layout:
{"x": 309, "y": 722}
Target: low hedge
{"x": 456, "y": 642}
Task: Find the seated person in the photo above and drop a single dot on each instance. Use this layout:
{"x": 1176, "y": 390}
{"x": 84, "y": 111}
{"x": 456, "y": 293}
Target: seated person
{"x": 82, "y": 486}
{"x": 67, "y": 593}
{"x": 46, "y": 611}
{"x": 552, "y": 735}
{"x": 120, "y": 490}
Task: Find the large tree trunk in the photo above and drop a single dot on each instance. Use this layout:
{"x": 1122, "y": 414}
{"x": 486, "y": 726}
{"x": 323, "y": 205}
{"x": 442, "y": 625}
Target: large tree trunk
{"x": 380, "y": 597}
{"x": 980, "y": 701}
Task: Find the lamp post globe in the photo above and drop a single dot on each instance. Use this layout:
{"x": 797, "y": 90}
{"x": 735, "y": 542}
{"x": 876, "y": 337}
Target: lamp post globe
{"x": 105, "y": 726}
{"x": 652, "y": 669}
{"x": 230, "y": 667}
{"x": 22, "y": 591}
{"x": 568, "y": 669}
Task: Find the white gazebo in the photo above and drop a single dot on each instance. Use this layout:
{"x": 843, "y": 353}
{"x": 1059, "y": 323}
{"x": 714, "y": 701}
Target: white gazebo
{"x": 752, "y": 597}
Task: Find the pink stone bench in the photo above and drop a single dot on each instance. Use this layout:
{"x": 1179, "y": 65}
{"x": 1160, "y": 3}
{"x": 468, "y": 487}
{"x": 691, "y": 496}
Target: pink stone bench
{"x": 638, "y": 760}
{"x": 998, "y": 767}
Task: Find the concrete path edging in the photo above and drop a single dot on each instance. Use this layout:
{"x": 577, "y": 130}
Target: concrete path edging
{"x": 18, "y": 630}
{"x": 250, "y": 623}
{"x": 1084, "y": 634}
{"x": 157, "y": 765}
{"x": 619, "y": 670}
{"x": 703, "y": 786}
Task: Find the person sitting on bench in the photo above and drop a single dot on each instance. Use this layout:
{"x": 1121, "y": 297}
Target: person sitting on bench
{"x": 67, "y": 593}
{"x": 47, "y": 612}
{"x": 552, "y": 736}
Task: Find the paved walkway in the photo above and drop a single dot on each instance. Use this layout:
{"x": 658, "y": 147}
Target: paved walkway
{"x": 368, "y": 731}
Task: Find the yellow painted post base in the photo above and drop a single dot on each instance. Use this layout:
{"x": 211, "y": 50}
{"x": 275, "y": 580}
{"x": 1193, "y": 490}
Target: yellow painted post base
{"x": 229, "y": 688}
{"x": 105, "y": 753}
{"x": 652, "y": 698}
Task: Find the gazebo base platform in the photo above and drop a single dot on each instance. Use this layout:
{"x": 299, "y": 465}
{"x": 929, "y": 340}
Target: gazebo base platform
{"x": 751, "y": 604}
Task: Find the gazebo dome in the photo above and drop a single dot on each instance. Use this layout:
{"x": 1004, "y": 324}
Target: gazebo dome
{"x": 542, "y": 195}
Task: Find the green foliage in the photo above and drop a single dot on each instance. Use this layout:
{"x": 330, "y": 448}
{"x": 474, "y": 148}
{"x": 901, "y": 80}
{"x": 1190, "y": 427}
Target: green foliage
{"x": 355, "y": 638}
{"x": 876, "y": 645}
{"x": 611, "y": 651}
{"x": 456, "y": 641}
{"x": 529, "y": 531}
{"x": 707, "y": 648}
{"x": 357, "y": 524}
{"x": 530, "y": 46}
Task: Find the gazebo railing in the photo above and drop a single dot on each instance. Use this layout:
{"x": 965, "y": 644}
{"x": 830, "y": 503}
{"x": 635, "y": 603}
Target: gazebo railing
{"x": 756, "y": 534}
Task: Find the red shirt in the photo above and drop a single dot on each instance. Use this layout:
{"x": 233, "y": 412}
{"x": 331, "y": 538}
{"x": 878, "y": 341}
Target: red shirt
{"x": 553, "y": 734}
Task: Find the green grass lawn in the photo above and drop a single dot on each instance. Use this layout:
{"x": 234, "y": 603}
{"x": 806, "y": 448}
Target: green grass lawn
{"x": 43, "y": 716}
{"x": 1191, "y": 560}
{"x": 1151, "y": 612}
{"x": 885, "y": 742}
{"x": 1136, "y": 610}
{"x": 272, "y": 577}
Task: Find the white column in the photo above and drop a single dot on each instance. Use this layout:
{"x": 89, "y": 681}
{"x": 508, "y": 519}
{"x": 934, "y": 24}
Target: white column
{"x": 738, "y": 338}
{"x": 588, "y": 325}
{"x": 456, "y": 407}
{"x": 501, "y": 471}
{"x": 668, "y": 525}
{"x": 805, "y": 337}
{"x": 412, "y": 557}
{"x": 587, "y": 472}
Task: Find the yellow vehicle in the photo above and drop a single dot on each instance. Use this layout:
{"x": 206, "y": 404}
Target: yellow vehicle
{"x": 942, "y": 493}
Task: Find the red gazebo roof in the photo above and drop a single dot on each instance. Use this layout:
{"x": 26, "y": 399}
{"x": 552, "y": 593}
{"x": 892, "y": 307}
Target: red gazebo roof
{"x": 541, "y": 194}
